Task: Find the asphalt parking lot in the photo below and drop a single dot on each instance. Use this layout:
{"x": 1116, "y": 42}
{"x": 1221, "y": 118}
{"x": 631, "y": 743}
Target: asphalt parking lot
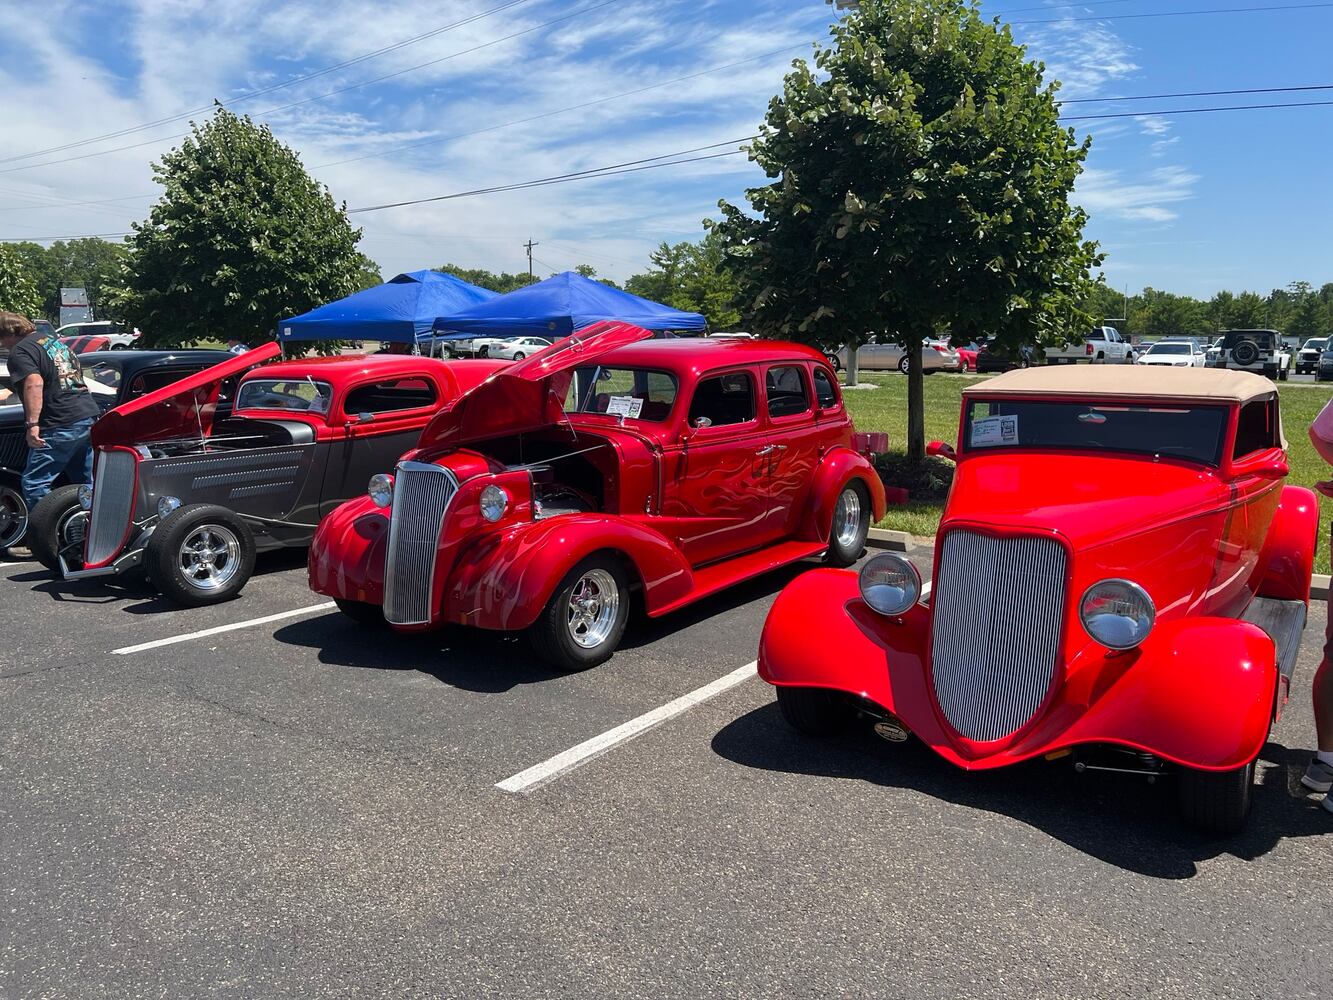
{"x": 306, "y": 807}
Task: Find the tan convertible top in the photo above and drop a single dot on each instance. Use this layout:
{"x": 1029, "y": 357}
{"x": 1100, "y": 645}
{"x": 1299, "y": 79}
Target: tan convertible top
{"x": 1128, "y": 381}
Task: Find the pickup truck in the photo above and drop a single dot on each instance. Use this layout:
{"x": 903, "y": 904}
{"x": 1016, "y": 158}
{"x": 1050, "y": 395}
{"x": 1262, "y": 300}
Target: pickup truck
{"x": 1103, "y": 346}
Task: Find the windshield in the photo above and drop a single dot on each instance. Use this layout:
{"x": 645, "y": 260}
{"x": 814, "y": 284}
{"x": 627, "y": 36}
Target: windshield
{"x": 1190, "y": 432}
{"x": 1169, "y": 349}
{"x": 300, "y": 395}
{"x": 632, "y": 393}
{"x": 1316, "y": 345}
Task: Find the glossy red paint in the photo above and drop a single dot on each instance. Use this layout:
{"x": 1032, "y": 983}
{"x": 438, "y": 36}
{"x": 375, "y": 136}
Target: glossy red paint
{"x": 967, "y": 358}
{"x": 688, "y": 509}
{"x": 129, "y": 521}
{"x": 1202, "y": 540}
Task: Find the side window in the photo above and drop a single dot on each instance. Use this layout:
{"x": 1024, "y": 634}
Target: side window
{"x": 824, "y": 389}
{"x": 722, "y": 400}
{"x": 1257, "y": 428}
{"x": 386, "y": 397}
{"x": 787, "y": 392}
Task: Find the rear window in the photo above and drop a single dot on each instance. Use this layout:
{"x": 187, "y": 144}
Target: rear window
{"x": 299, "y": 395}
{"x": 1193, "y": 433}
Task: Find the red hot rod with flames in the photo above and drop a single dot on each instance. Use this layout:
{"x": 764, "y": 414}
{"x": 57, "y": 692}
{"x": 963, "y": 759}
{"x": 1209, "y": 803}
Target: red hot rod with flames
{"x": 1120, "y": 579}
{"x": 599, "y": 471}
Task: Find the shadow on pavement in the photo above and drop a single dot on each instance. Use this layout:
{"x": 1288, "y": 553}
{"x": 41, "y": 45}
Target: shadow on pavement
{"x": 1122, "y": 821}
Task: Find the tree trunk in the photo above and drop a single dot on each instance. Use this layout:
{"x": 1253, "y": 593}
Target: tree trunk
{"x": 852, "y": 370}
{"x": 916, "y": 402}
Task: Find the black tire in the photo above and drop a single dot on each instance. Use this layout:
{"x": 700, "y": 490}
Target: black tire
{"x": 842, "y": 554}
{"x": 164, "y": 556}
{"x": 13, "y": 516}
{"x": 518, "y": 356}
{"x": 833, "y": 362}
{"x": 552, "y": 635}
{"x": 905, "y": 364}
{"x": 1101, "y": 358}
{"x": 1283, "y": 374}
{"x": 484, "y": 351}
{"x": 814, "y": 711}
{"x": 1245, "y": 353}
{"x": 1216, "y": 802}
{"x": 361, "y": 612}
{"x": 55, "y": 526}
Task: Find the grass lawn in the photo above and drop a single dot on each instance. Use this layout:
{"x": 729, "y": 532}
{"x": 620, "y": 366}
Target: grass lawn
{"x": 885, "y": 409}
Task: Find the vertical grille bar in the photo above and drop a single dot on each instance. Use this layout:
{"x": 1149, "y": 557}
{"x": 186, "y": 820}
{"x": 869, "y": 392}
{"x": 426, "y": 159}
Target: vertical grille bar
{"x": 113, "y": 505}
{"x": 998, "y": 614}
{"x": 421, "y": 495}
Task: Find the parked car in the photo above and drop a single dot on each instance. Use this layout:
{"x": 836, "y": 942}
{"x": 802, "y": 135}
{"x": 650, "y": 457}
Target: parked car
{"x": 481, "y": 346}
{"x": 86, "y": 344}
{"x": 117, "y": 338}
{"x": 112, "y": 379}
{"x": 1173, "y": 354}
{"x": 1120, "y": 581}
{"x": 1104, "y": 345}
{"x": 518, "y": 348}
{"x": 671, "y": 470}
{"x": 191, "y": 497}
{"x": 967, "y": 356}
{"x": 936, "y": 356}
{"x": 1259, "y": 351}
{"x": 1324, "y": 372}
{"x": 44, "y": 327}
{"x": 994, "y": 358}
{"x": 1307, "y": 359}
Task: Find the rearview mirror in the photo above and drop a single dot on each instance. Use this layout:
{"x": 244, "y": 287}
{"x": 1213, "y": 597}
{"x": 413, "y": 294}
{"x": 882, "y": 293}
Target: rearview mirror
{"x": 941, "y": 450}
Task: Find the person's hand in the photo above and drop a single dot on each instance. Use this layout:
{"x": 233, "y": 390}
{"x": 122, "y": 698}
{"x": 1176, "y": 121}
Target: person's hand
{"x": 35, "y": 438}
{"x": 1325, "y": 487}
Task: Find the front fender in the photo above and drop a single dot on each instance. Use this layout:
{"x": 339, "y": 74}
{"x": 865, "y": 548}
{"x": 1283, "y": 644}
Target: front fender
{"x": 1287, "y": 559}
{"x": 836, "y": 469}
{"x": 504, "y": 582}
{"x": 347, "y": 554}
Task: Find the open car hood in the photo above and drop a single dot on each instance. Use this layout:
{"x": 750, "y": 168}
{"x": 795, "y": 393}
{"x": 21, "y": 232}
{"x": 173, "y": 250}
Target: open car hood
{"x": 182, "y": 409}
{"x": 527, "y": 394}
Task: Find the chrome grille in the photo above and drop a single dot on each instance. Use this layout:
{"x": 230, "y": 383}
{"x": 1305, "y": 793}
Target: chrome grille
{"x": 999, "y": 608}
{"x": 113, "y": 505}
{"x": 421, "y": 495}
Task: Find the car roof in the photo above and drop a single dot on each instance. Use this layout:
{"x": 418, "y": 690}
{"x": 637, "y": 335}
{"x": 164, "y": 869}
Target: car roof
{"x": 344, "y": 366}
{"x": 1128, "y": 382}
{"x": 705, "y": 353}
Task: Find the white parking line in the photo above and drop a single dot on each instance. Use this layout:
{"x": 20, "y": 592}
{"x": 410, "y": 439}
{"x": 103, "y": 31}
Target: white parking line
{"x": 205, "y": 633}
{"x": 585, "y": 751}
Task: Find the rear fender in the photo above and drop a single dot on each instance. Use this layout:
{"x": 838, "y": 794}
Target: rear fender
{"x": 836, "y": 469}
{"x": 504, "y": 581}
{"x": 1287, "y": 559}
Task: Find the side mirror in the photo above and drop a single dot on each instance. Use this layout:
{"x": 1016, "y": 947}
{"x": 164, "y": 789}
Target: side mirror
{"x": 942, "y": 450}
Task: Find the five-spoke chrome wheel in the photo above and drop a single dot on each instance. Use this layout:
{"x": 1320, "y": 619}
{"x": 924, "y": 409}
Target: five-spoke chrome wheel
{"x": 594, "y": 605}
{"x": 209, "y": 557}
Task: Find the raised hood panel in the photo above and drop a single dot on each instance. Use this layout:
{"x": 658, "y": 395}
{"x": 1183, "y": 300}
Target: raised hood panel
{"x": 1088, "y": 499}
{"x": 529, "y": 394}
{"x": 181, "y": 409}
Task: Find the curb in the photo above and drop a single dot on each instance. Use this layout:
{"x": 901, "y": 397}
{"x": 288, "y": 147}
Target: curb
{"x": 901, "y": 541}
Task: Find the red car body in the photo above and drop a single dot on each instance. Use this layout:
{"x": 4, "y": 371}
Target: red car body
{"x": 967, "y": 358}
{"x": 1000, "y": 650}
{"x": 684, "y": 510}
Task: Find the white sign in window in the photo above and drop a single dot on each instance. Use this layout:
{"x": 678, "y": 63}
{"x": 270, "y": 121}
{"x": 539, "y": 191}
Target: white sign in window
{"x": 988, "y": 432}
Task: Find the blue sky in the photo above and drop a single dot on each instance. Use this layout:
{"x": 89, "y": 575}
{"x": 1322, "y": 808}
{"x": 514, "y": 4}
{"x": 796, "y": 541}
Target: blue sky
{"x": 1187, "y": 203}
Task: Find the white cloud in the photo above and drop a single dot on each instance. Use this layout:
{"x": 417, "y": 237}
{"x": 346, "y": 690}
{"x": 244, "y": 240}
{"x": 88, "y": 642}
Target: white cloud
{"x": 1109, "y": 193}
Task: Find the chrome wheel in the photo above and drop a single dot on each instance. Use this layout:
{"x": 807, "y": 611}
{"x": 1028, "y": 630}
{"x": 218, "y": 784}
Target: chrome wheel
{"x": 70, "y": 530}
{"x": 13, "y": 517}
{"x": 594, "y": 603}
{"x": 847, "y": 518}
{"x": 209, "y": 557}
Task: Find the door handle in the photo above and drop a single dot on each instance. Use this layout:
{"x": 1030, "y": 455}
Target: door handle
{"x": 767, "y": 449}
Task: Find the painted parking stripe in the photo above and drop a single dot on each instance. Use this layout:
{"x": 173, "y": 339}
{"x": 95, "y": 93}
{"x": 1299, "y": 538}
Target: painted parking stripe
{"x": 205, "y": 633}
{"x": 588, "y": 749}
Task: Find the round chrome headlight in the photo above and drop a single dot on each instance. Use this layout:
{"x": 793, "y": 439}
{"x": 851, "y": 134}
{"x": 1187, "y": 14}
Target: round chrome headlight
{"x": 494, "y": 503}
{"x": 165, "y": 505}
{"x": 890, "y": 584}
{"x": 381, "y": 490}
{"x": 1117, "y": 613}
{"x": 85, "y": 493}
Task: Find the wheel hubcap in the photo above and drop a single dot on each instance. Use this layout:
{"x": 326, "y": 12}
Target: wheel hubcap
{"x": 847, "y": 518}
{"x": 13, "y": 517}
{"x": 209, "y": 557}
{"x": 70, "y": 532}
{"x": 593, "y": 605}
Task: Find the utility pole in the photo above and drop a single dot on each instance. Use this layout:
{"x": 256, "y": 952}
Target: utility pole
{"x": 528, "y": 246}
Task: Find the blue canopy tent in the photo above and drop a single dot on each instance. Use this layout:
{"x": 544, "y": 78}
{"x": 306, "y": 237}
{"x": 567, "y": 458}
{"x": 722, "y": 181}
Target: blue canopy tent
{"x": 560, "y": 305}
{"x": 401, "y": 310}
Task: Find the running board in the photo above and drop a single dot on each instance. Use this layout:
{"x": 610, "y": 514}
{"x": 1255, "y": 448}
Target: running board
{"x": 719, "y": 576}
{"x": 1284, "y": 621}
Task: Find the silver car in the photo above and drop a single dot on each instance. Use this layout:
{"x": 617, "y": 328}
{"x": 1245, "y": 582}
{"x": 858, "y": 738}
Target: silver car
{"x": 936, "y": 356}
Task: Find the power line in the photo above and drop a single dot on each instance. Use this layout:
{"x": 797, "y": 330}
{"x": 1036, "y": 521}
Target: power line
{"x": 331, "y": 93}
{"x": 37, "y": 239}
{"x": 277, "y": 86}
{"x": 1179, "y": 13}
{"x": 1199, "y": 93}
{"x": 1197, "y": 111}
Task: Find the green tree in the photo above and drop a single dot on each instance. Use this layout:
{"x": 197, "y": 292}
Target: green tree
{"x": 922, "y": 182}
{"x": 1248, "y": 312}
{"x": 694, "y": 277}
{"x": 502, "y": 282}
{"x": 92, "y": 264}
{"x": 1160, "y": 314}
{"x": 17, "y": 292}
{"x": 44, "y": 273}
{"x": 1308, "y": 319}
{"x": 241, "y": 237}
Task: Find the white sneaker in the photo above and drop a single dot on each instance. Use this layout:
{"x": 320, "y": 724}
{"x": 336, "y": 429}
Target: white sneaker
{"x": 1318, "y": 777}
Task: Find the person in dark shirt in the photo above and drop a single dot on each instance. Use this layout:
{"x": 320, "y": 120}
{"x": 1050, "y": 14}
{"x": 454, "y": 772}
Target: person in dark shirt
{"x": 58, "y": 409}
